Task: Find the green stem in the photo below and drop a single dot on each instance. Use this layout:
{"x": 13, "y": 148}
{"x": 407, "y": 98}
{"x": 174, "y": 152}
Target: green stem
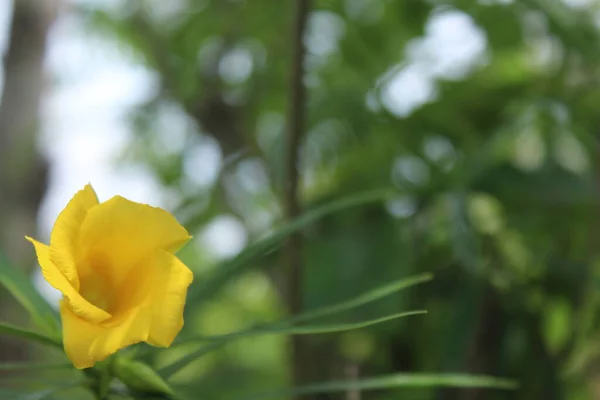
{"x": 99, "y": 378}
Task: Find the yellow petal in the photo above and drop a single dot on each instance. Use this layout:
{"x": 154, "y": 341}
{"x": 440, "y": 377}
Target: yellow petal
{"x": 168, "y": 297}
{"x": 87, "y": 343}
{"x": 63, "y": 239}
{"x": 54, "y": 276}
{"x": 119, "y": 233}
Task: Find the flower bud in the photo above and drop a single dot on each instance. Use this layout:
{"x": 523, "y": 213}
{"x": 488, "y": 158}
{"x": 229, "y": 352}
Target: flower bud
{"x": 140, "y": 377}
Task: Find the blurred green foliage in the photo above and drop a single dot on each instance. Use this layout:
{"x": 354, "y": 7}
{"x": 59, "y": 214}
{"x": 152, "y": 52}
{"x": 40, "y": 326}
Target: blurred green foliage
{"x": 494, "y": 175}
{"x": 494, "y": 172}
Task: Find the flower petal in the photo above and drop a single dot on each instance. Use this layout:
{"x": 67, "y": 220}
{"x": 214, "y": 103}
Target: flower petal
{"x": 63, "y": 239}
{"x": 119, "y": 233}
{"x": 87, "y": 343}
{"x": 54, "y": 276}
{"x": 167, "y": 297}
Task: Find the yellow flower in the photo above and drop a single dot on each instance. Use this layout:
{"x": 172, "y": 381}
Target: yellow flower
{"x": 121, "y": 283}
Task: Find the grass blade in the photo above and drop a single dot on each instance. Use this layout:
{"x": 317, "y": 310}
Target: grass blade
{"x": 20, "y": 286}
{"x": 7, "y": 329}
{"x": 391, "y": 382}
{"x": 233, "y": 267}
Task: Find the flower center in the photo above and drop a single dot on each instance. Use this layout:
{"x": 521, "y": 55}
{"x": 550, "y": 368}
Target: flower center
{"x": 98, "y": 291}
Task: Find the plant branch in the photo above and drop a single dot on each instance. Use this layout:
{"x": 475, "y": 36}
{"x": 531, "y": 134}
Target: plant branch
{"x": 295, "y": 131}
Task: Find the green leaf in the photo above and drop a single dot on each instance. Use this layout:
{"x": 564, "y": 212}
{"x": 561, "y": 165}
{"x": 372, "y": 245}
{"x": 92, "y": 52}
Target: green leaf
{"x": 333, "y": 328}
{"x": 465, "y": 241}
{"x": 7, "y": 329}
{"x": 9, "y": 394}
{"x": 364, "y": 298}
{"x": 222, "y": 340}
{"x": 307, "y": 330}
{"x": 169, "y": 370}
{"x": 140, "y": 377}
{"x": 20, "y": 286}
{"x": 391, "y": 382}
{"x": 47, "y": 393}
{"x": 556, "y": 324}
{"x": 33, "y": 366}
{"x": 233, "y": 267}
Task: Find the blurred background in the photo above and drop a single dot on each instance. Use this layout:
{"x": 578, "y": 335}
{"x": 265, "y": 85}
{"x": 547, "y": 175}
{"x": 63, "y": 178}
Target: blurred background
{"x": 483, "y": 115}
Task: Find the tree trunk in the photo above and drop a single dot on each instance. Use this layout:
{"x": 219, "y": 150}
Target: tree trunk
{"x": 22, "y": 169}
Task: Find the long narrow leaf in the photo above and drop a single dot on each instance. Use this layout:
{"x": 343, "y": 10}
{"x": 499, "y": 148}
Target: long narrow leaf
{"x": 23, "y": 366}
{"x": 233, "y": 267}
{"x": 20, "y": 286}
{"x": 7, "y": 329}
{"x": 364, "y": 298}
{"x": 48, "y": 393}
{"x": 9, "y": 394}
{"x": 333, "y": 328}
{"x": 360, "y": 300}
{"x": 391, "y": 382}
{"x": 169, "y": 370}
{"x": 307, "y": 330}
{"x": 222, "y": 340}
